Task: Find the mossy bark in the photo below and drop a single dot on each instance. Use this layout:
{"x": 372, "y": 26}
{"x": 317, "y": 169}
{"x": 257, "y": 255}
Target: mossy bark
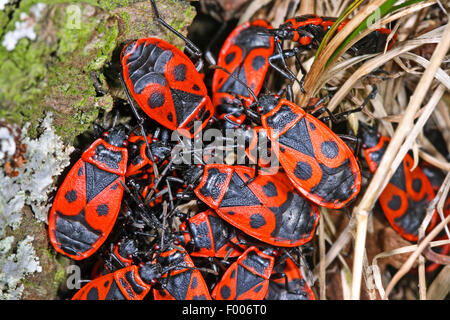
{"x": 74, "y": 55}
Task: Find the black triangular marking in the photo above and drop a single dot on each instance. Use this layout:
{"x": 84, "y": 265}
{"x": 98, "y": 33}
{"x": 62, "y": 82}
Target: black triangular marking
{"x": 238, "y": 195}
{"x": 97, "y": 180}
{"x": 184, "y": 103}
{"x": 246, "y": 280}
{"x": 178, "y": 284}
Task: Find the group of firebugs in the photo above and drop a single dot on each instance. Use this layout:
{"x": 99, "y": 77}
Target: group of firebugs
{"x": 214, "y": 230}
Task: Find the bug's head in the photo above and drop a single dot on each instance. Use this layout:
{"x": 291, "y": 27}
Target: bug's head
{"x": 127, "y": 248}
{"x": 267, "y": 102}
{"x": 150, "y": 272}
{"x": 117, "y": 136}
{"x": 369, "y": 135}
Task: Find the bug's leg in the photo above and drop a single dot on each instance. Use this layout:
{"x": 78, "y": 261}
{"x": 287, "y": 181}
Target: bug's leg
{"x": 190, "y": 46}
{"x": 286, "y": 72}
{"x": 343, "y": 115}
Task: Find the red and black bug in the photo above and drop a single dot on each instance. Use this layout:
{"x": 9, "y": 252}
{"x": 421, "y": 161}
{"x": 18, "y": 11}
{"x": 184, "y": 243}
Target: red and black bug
{"x": 210, "y": 236}
{"x": 247, "y": 278}
{"x": 316, "y": 160}
{"x": 172, "y": 276}
{"x": 245, "y": 54}
{"x": 129, "y": 283}
{"x": 288, "y": 283}
{"x": 405, "y": 199}
{"x": 166, "y": 85}
{"x": 309, "y": 31}
{"x": 88, "y": 201}
{"x": 268, "y": 209}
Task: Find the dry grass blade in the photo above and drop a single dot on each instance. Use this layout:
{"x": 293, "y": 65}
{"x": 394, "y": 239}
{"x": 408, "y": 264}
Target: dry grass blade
{"x": 440, "y": 287}
{"x": 409, "y": 263}
{"x": 386, "y": 167}
{"x": 378, "y": 61}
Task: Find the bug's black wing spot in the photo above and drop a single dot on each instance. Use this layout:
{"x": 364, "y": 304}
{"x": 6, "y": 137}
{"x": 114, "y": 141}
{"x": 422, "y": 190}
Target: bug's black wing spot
{"x": 156, "y": 100}
{"x": 269, "y": 189}
{"x": 329, "y": 149}
{"x": 257, "y": 221}
{"x": 417, "y": 185}
{"x": 258, "y": 62}
{"x": 71, "y": 196}
{"x": 225, "y": 292}
{"x": 179, "y": 72}
{"x": 303, "y": 170}
{"x": 102, "y": 209}
{"x": 230, "y": 57}
{"x": 194, "y": 283}
{"x": 92, "y": 294}
{"x": 395, "y": 203}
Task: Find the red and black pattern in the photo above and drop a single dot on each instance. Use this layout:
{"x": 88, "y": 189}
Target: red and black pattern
{"x": 123, "y": 284}
{"x": 166, "y": 85}
{"x": 268, "y": 209}
{"x": 244, "y": 54}
{"x": 182, "y": 283}
{"x": 405, "y": 199}
{"x": 88, "y": 201}
{"x": 319, "y": 164}
{"x": 287, "y": 283}
{"x": 247, "y": 278}
{"x": 210, "y": 235}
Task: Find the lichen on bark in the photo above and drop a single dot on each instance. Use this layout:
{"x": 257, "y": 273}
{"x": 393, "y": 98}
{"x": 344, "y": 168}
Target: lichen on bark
{"x": 59, "y": 71}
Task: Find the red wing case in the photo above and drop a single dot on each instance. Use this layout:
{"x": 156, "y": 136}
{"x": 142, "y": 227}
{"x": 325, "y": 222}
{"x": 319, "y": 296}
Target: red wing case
{"x": 319, "y": 164}
{"x": 166, "y": 85}
{"x": 245, "y": 54}
{"x": 123, "y": 284}
{"x": 268, "y": 208}
{"x": 88, "y": 201}
{"x": 183, "y": 283}
{"x": 247, "y": 278}
{"x": 406, "y": 197}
